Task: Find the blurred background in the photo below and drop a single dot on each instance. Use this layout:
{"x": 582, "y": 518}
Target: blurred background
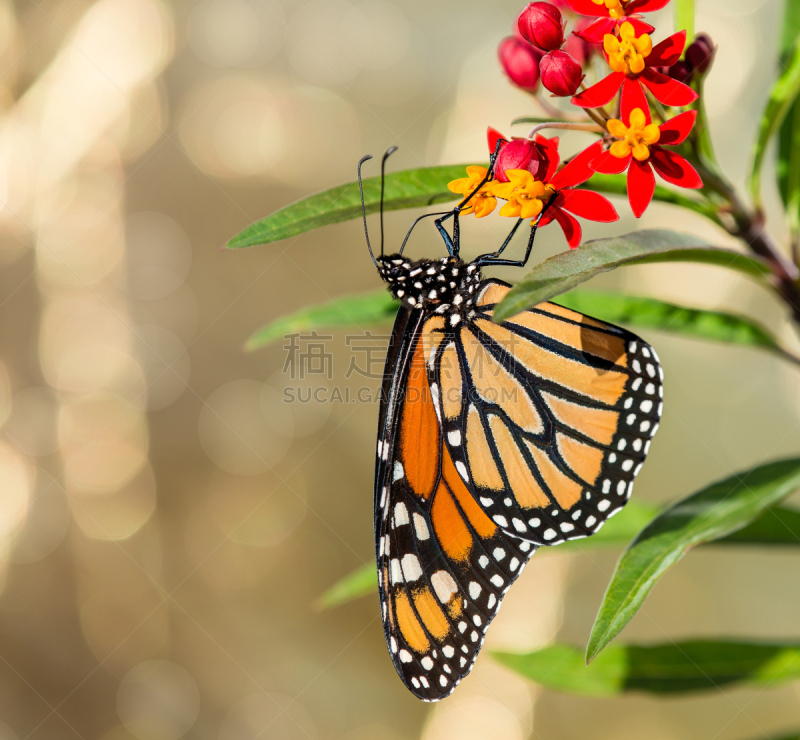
{"x": 167, "y": 520}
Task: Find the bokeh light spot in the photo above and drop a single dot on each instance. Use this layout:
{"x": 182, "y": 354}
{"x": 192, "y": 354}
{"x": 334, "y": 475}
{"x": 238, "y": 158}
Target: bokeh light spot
{"x": 158, "y": 700}
{"x": 245, "y": 428}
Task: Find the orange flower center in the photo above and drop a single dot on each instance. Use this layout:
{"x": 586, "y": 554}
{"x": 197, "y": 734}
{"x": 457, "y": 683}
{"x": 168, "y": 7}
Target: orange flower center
{"x": 635, "y": 139}
{"x": 615, "y": 7}
{"x": 627, "y": 52}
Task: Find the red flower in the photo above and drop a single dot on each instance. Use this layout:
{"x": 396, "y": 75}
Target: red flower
{"x": 559, "y": 195}
{"x": 640, "y": 144}
{"x": 611, "y": 14}
{"x": 633, "y": 58}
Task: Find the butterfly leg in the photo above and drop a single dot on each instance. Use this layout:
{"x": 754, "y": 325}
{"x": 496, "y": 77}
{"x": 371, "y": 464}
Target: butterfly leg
{"x": 451, "y": 242}
{"x": 492, "y": 260}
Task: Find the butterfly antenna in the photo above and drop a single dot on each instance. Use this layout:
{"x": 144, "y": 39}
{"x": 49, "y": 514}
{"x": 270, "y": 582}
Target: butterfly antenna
{"x": 388, "y": 153}
{"x": 364, "y": 208}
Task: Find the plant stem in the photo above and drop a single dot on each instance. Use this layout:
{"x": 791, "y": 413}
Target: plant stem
{"x": 748, "y": 226}
{"x": 565, "y": 125}
{"x": 597, "y": 118}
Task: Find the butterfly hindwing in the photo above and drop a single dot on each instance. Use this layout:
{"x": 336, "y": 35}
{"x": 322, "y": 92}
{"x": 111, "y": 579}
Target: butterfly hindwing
{"x": 548, "y": 416}
{"x": 443, "y": 564}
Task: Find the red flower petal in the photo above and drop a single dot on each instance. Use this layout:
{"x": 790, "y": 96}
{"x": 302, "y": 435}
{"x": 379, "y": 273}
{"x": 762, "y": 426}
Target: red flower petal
{"x": 675, "y": 131}
{"x": 645, "y": 6}
{"x": 600, "y": 93}
{"x": 641, "y": 186}
{"x": 577, "y": 170}
{"x": 608, "y": 164}
{"x": 590, "y": 205}
{"x": 493, "y": 136}
{"x": 640, "y": 26}
{"x": 568, "y": 224}
{"x": 547, "y": 151}
{"x": 633, "y": 97}
{"x": 587, "y": 7}
{"x": 666, "y": 90}
{"x": 595, "y": 31}
{"x": 674, "y": 168}
{"x": 668, "y": 51}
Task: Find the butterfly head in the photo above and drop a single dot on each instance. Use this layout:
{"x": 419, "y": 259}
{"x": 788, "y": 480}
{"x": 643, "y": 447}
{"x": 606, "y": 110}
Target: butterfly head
{"x": 448, "y": 284}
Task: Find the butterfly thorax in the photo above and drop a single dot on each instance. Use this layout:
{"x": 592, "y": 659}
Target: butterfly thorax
{"x": 447, "y": 285}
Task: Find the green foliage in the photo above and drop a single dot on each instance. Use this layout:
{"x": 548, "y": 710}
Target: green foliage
{"x": 378, "y": 308}
{"x": 650, "y": 313}
{"x": 684, "y": 18}
{"x": 788, "y": 165}
{"x": 360, "y": 582}
{"x": 564, "y": 271}
{"x": 707, "y": 515}
{"x": 679, "y": 667}
{"x": 782, "y": 97}
{"x": 406, "y": 189}
{"x": 350, "y": 312}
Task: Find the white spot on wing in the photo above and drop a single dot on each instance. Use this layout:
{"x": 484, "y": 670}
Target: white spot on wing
{"x": 444, "y": 585}
{"x": 421, "y": 527}
{"x": 398, "y": 471}
{"x": 411, "y": 567}
{"x": 397, "y": 573}
{"x": 400, "y": 514}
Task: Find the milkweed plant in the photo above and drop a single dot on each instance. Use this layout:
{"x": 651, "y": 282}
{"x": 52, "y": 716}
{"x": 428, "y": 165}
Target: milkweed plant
{"x": 640, "y": 93}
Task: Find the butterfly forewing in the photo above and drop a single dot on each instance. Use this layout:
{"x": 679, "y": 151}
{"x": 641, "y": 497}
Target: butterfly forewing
{"x": 548, "y": 416}
{"x": 443, "y": 564}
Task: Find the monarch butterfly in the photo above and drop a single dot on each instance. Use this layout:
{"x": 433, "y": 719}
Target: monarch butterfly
{"x": 493, "y": 439}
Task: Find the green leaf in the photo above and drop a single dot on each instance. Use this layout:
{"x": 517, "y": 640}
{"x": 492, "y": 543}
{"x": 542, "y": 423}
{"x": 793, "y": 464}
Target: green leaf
{"x": 618, "y": 185}
{"x": 651, "y": 313}
{"x": 405, "y": 189}
{"x": 566, "y": 270}
{"x": 788, "y": 168}
{"x": 693, "y": 665}
{"x": 710, "y": 514}
{"x": 782, "y": 96}
{"x": 360, "y": 582}
{"x": 350, "y": 312}
{"x": 378, "y": 308}
{"x": 791, "y": 28}
{"x": 684, "y": 18}
{"x": 778, "y": 526}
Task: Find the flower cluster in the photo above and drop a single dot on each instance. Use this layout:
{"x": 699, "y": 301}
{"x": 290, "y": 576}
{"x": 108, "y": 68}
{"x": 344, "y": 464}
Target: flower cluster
{"x": 634, "y": 107}
{"x": 526, "y": 175}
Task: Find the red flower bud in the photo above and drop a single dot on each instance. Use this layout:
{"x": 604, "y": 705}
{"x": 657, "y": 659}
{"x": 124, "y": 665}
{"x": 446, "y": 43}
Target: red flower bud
{"x": 680, "y": 71}
{"x": 541, "y": 24}
{"x": 520, "y": 61}
{"x": 561, "y": 74}
{"x": 701, "y": 52}
{"x": 516, "y": 155}
{"x": 581, "y": 50}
